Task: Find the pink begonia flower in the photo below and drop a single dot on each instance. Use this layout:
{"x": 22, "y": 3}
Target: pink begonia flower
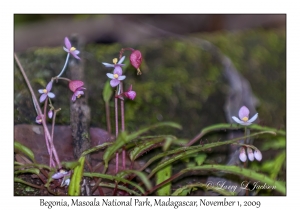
{"x": 130, "y": 93}
{"x": 244, "y": 116}
{"x": 38, "y": 119}
{"x": 76, "y": 86}
{"x": 46, "y": 92}
{"x": 136, "y": 60}
{"x": 242, "y": 155}
{"x": 115, "y": 63}
{"x": 116, "y": 76}
{"x": 60, "y": 174}
{"x": 70, "y": 49}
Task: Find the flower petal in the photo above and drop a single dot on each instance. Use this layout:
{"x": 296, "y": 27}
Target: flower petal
{"x": 75, "y": 84}
{"x": 253, "y": 118}
{"x": 242, "y": 155}
{"x": 257, "y": 155}
{"x": 51, "y": 95}
{"x": 243, "y": 112}
{"x": 41, "y": 90}
{"x": 121, "y": 60}
{"x": 77, "y": 93}
{"x": 250, "y": 154}
{"x": 118, "y": 70}
{"x": 73, "y": 97}
{"x": 237, "y": 119}
{"x": 131, "y": 94}
{"x": 58, "y": 175}
{"x": 109, "y": 75}
{"x": 75, "y": 56}
{"x": 121, "y": 77}
{"x": 65, "y": 49}
{"x": 67, "y": 43}
{"x": 49, "y": 86}
{"x": 114, "y": 82}
{"x": 108, "y": 65}
{"x": 43, "y": 97}
{"x": 76, "y": 52}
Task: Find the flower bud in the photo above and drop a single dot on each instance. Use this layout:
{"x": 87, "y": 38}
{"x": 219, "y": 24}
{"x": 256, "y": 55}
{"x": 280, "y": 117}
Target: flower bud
{"x": 250, "y": 154}
{"x": 38, "y": 119}
{"x": 242, "y": 155}
{"x": 136, "y": 60}
{"x": 131, "y": 94}
{"x": 257, "y": 155}
{"x": 50, "y": 113}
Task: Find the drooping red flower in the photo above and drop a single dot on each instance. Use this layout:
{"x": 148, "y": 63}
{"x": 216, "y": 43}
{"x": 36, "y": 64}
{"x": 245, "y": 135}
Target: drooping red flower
{"x": 136, "y": 60}
{"x": 76, "y": 86}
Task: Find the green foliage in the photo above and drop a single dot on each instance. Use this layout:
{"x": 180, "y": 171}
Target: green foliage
{"x": 74, "y": 187}
{"x": 23, "y": 149}
{"x": 107, "y": 92}
{"x": 161, "y": 176}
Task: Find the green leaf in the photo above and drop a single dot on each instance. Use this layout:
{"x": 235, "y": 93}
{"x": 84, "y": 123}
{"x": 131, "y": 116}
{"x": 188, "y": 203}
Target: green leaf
{"x": 96, "y": 148}
{"x": 30, "y": 170}
{"x": 23, "y": 149}
{"x": 74, "y": 187}
{"x": 161, "y": 176}
{"x": 125, "y": 138}
{"x": 168, "y": 142}
{"x": 107, "y": 92}
{"x": 200, "y": 158}
{"x": 70, "y": 165}
{"x": 224, "y": 127}
{"x": 35, "y": 165}
{"x": 273, "y": 167}
{"x": 114, "y": 178}
{"x": 146, "y": 145}
{"x": 120, "y": 187}
{"x": 275, "y": 143}
{"x": 141, "y": 175}
{"x": 185, "y": 152}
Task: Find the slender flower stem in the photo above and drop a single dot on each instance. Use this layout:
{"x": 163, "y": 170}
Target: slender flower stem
{"x": 123, "y": 127}
{"x": 122, "y": 51}
{"x": 64, "y": 68}
{"x": 51, "y": 162}
{"x": 117, "y": 130}
{"x": 62, "y": 78}
{"x": 107, "y": 111}
{"x": 48, "y": 137}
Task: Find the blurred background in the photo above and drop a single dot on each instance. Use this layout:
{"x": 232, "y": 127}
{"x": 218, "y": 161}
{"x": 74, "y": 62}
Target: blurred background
{"x": 41, "y": 30}
{"x": 179, "y": 75}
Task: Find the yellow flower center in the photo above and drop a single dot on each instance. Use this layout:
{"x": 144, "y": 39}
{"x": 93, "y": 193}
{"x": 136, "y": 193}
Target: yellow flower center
{"x": 72, "y": 49}
{"x": 45, "y": 91}
{"x": 245, "y": 119}
{"x": 78, "y": 96}
{"x": 115, "y": 60}
{"x": 116, "y": 76}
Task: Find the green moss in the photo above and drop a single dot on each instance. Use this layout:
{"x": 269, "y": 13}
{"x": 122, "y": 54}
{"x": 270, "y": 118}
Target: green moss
{"x": 180, "y": 81}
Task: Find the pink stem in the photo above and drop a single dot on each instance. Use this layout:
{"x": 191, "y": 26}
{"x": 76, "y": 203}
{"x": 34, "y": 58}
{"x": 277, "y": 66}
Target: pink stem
{"x": 48, "y": 137}
{"x": 117, "y": 130}
{"x": 123, "y": 127}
